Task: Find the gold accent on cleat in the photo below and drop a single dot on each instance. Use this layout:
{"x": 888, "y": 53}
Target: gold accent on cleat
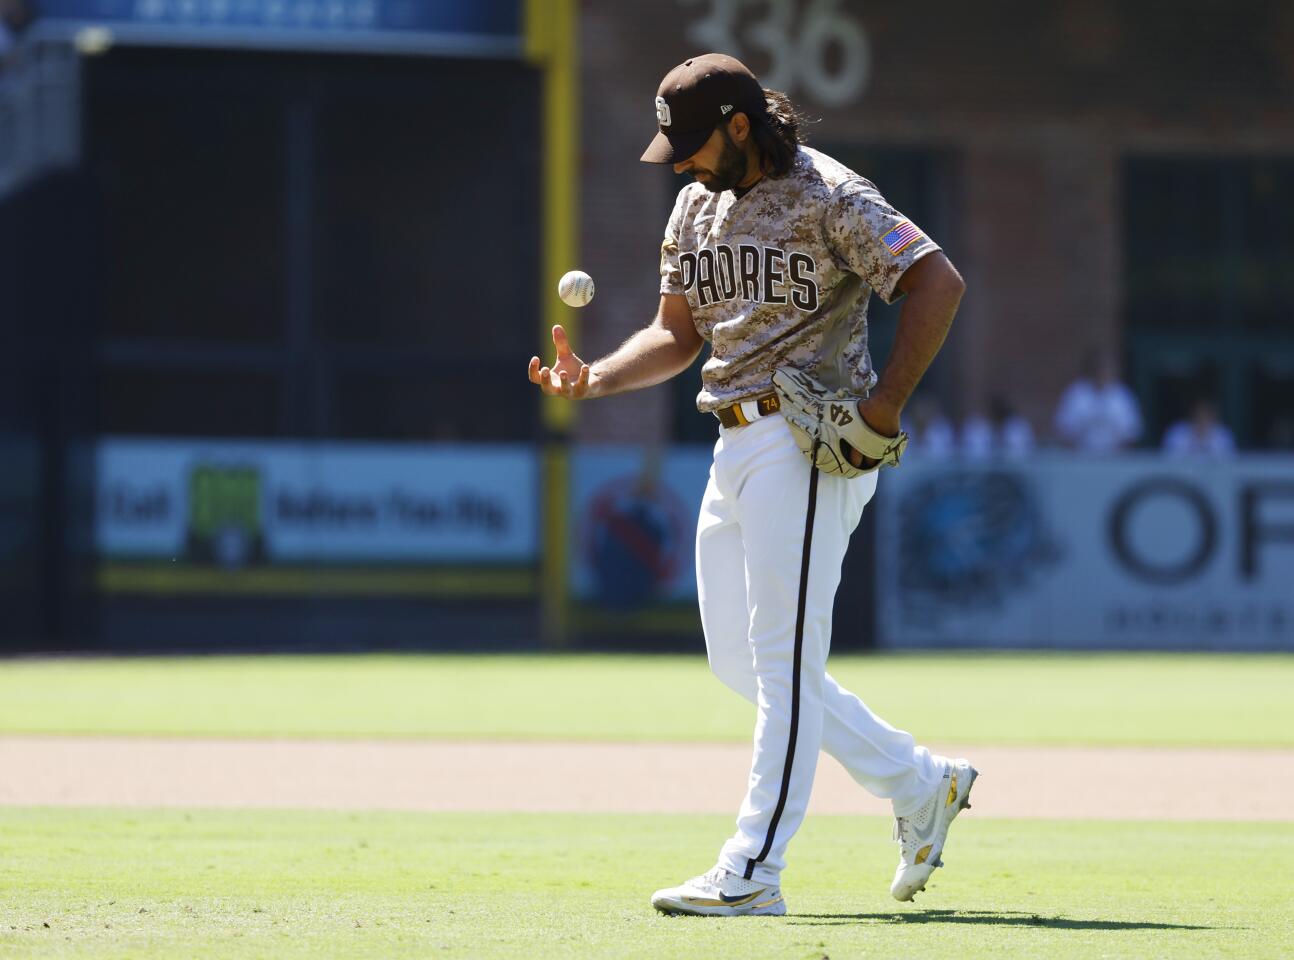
{"x": 767, "y": 903}
{"x": 736, "y": 902}
{"x": 923, "y": 853}
{"x": 952, "y": 792}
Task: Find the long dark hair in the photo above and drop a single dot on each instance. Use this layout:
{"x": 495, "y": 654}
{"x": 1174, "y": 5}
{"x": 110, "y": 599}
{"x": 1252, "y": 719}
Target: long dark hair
{"x": 777, "y": 132}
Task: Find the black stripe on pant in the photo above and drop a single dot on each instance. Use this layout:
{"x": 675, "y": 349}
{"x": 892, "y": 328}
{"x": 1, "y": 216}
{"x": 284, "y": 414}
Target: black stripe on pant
{"x": 795, "y": 672}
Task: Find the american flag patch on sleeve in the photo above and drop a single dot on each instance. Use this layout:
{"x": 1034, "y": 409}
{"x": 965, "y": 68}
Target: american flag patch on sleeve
{"x": 902, "y": 237}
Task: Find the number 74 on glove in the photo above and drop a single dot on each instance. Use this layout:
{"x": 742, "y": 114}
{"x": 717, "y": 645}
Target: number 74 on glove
{"x": 827, "y": 425}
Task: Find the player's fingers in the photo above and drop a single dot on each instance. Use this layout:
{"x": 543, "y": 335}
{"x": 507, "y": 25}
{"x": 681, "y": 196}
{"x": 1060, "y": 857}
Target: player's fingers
{"x": 582, "y": 382}
{"x": 545, "y": 380}
{"x": 533, "y": 370}
{"x": 564, "y": 383}
{"x": 856, "y": 457}
{"x": 560, "y": 342}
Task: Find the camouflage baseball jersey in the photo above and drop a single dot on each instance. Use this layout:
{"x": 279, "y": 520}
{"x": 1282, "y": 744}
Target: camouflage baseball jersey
{"x": 781, "y": 275}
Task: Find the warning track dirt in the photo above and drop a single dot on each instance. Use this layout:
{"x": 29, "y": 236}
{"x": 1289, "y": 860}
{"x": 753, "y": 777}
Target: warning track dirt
{"x": 1123, "y": 783}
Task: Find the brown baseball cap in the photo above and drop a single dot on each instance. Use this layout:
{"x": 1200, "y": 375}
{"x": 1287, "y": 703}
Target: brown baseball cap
{"x": 694, "y": 98}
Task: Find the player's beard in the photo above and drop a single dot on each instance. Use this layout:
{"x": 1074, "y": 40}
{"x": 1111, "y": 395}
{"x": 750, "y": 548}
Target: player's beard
{"x": 729, "y": 170}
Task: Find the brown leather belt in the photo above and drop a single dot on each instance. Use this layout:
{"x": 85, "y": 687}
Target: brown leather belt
{"x": 740, "y": 414}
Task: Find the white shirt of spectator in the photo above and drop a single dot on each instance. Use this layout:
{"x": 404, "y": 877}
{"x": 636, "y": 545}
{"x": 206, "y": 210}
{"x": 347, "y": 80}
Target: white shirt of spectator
{"x": 1098, "y": 419}
{"x": 1183, "y": 440}
{"x": 980, "y": 440}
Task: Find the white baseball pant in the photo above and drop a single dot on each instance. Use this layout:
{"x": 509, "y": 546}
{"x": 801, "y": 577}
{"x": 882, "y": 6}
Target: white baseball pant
{"x": 766, "y": 579}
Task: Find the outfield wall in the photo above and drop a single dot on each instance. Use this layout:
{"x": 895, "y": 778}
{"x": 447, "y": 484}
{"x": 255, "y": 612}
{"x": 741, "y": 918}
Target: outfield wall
{"x": 1055, "y": 552}
{"x": 1062, "y": 551}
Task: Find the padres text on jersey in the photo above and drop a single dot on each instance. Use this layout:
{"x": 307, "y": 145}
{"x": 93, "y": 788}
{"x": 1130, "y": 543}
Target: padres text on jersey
{"x": 755, "y": 274}
{"x": 781, "y": 275}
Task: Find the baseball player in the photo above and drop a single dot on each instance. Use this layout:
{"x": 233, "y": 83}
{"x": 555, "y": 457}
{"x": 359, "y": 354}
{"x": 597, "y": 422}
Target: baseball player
{"x": 770, "y": 257}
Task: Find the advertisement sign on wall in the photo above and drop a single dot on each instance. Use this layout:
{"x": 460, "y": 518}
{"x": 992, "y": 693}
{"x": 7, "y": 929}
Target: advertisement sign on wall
{"x": 234, "y": 505}
{"x": 634, "y": 524}
{"x": 1136, "y": 552}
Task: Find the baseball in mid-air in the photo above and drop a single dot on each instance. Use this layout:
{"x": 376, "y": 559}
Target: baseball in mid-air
{"x": 575, "y": 288}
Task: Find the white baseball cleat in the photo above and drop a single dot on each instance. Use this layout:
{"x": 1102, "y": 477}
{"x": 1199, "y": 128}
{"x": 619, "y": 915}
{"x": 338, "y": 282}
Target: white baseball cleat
{"x": 721, "y": 893}
{"x": 921, "y": 836}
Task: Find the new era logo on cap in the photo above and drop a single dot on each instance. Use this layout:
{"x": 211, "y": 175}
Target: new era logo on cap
{"x": 726, "y": 109}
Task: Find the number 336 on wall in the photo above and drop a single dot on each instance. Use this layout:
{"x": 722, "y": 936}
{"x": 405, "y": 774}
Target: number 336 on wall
{"x": 821, "y": 51}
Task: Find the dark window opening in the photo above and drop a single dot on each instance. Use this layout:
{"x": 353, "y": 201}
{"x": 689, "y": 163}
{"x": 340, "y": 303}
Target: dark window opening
{"x": 1209, "y": 296}
{"x": 305, "y": 226}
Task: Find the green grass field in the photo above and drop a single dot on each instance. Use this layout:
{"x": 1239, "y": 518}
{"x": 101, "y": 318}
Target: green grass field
{"x": 1007, "y": 698}
{"x": 238, "y": 885}
{"x": 248, "y": 884}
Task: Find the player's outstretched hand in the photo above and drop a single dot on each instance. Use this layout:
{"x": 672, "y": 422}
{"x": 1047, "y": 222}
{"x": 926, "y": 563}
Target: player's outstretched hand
{"x": 569, "y": 376}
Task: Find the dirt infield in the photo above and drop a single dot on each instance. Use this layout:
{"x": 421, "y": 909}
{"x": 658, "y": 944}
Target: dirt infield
{"x": 1081, "y": 782}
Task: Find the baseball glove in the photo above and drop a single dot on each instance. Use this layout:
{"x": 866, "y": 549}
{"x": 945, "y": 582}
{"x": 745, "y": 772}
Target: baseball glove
{"x": 827, "y": 425}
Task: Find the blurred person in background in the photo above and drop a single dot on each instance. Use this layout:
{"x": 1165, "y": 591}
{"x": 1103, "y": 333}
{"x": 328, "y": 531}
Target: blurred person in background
{"x": 1002, "y": 433}
{"x": 14, "y": 15}
{"x": 1199, "y": 435}
{"x": 930, "y": 432}
{"x": 1097, "y": 413}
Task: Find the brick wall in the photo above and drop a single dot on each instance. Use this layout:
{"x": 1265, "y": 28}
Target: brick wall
{"x": 1035, "y": 103}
